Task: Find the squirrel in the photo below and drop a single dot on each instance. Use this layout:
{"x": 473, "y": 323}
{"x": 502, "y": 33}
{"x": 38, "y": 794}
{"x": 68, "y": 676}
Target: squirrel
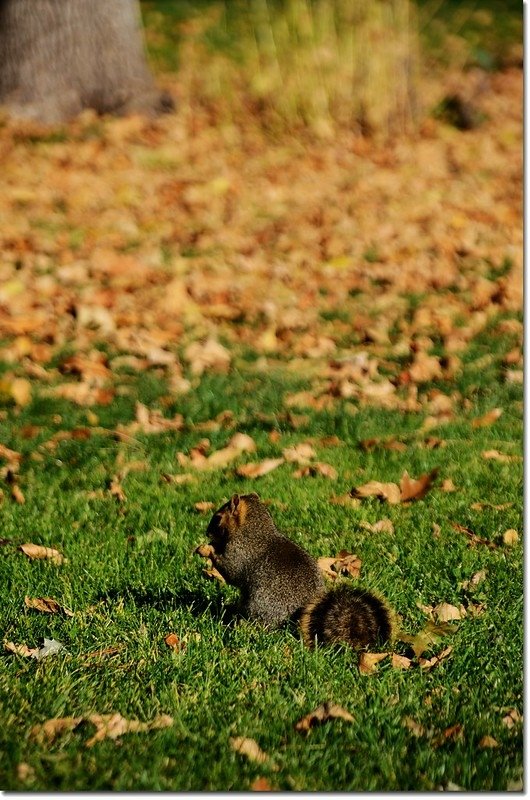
{"x": 279, "y": 580}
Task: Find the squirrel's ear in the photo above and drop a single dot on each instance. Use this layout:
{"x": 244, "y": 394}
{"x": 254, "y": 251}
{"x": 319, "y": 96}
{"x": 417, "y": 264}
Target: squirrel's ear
{"x": 253, "y": 494}
{"x": 234, "y": 502}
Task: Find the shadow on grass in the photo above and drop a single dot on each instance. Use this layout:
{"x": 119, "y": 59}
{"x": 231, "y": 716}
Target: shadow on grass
{"x": 163, "y": 599}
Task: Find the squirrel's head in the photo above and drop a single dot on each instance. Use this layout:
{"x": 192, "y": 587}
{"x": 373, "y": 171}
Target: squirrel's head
{"x": 241, "y": 515}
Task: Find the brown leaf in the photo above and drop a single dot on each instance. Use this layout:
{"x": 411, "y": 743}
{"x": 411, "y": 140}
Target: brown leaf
{"x": 47, "y": 605}
{"x": 248, "y": 748}
{"x": 416, "y": 488}
{"x": 384, "y": 491}
{"x": 185, "y": 477}
{"x": 497, "y": 456}
{"x": 452, "y": 733}
{"x": 21, "y": 649}
{"x": 17, "y": 494}
{"x": 203, "y": 506}
{"x": 343, "y": 564}
{"x": 36, "y": 551}
{"x": 204, "y": 550}
{"x": 429, "y": 663}
{"x": 214, "y": 574}
{"x": 317, "y": 468}
{"x": 257, "y": 470}
{"x": 448, "y": 485}
{"x": 112, "y": 726}
{"x": 488, "y": 742}
{"x": 300, "y": 453}
{"x": 261, "y": 785}
{"x": 382, "y": 526}
{"x": 512, "y": 718}
{"x": 48, "y": 731}
{"x": 445, "y": 612}
{"x": 208, "y": 355}
{"x": 487, "y": 419}
{"x": 496, "y": 507}
{"x": 322, "y": 714}
{"x": 368, "y": 662}
{"x": 400, "y": 662}
{"x": 510, "y": 537}
{"x": 173, "y": 641}
{"x": 473, "y": 538}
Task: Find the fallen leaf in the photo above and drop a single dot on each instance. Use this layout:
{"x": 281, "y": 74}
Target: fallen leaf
{"x": 452, "y": 733}
{"x": 37, "y": 551}
{"x": 445, "y": 612}
{"x": 112, "y": 726}
{"x": 50, "y": 647}
{"x": 512, "y": 718}
{"x": 495, "y": 455}
{"x": 384, "y": 491}
{"x": 323, "y": 713}
{"x": 510, "y": 537}
{"x": 261, "y": 785}
{"x": 488, "y": 742}
{"x": 208, "y": 355}
{"x": 25, "y": 772}
{"x": 473, "y": 538}
{"x": 184, "y": 477}
{"x": 448, "y": 485}
{"x": 436, "y": 530}
{"x": 429, "y": 663}
{"x": 49, "y": 730}
{"x": 21, "y": 649}
{"x": 300, "y": 453}
{"x": 496, "y": 507}
{"x": 257, "y": 470}
{"x": 416, "y": 488}
{"x": 475, "y": 579}
{"x": 239, "y": 443}
{"x": 343, "y": 564}
{"x": 368, "y": 662}
{"x": 47, "y": 605}
{"x": 317, "y": 468}
{"x": 382, "y": 526}
{"x": 173, "y": 641}
{"x": 17, "y": 494}
{"x": 400, "y": 662}
{"x": 203, "y": 506}
{"x": 487, "y": 419}
{"x": 248, "y": 748}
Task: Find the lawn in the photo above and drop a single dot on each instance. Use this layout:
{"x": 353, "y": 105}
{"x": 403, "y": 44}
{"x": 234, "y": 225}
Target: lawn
{"x": 352, "y": 305}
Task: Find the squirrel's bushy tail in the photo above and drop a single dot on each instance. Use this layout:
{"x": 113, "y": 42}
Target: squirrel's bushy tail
{"x": 346, "y": 614}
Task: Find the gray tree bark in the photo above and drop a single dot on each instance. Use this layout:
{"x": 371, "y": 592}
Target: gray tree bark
{"x": 58, "y": 57}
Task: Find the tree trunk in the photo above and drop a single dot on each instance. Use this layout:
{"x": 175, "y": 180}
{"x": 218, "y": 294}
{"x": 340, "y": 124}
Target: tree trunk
{"x": 60, "y": 56}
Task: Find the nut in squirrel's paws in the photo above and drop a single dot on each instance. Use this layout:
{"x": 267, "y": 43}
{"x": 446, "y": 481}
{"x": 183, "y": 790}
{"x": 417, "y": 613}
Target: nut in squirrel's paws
{"x": 204, "y": 550}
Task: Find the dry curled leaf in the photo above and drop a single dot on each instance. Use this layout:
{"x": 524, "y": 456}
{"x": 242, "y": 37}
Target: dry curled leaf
{"x": 429, "y": 663}
{"x": 248, "y": 748}
{"x": 257, "y": 470}
{"x": 384, "y": 491}
{"x": 382, "y": 526}
{"x": 487, "y": 743}
{"x": 37, "y": 551}
{"x": 368, "y": 662}
{"x": 510, "y": 537}
{"x": 473, "y": 538}
{"x": 213, "y": 574}
{"x": 203, "y": 506}
{"x": 47, "y": 732}
{"x": 495, "y": 455}
{"x": 300, "y": 453}
{"x": 261, "y": 785}
{"x": 17, "y": 494}
{"x": 317, "y": 468}
{"x": 204, "y": 550}
{"x": 445, "y": 612}
{"x": 111, "y": 726}
{"x": 416, "y": 488}
{"x": 512, "y": 718}
{"x": 47, "y": 605}
{"x": 21, "y": 649}
{"x": 173, "y": 641}
{"x": 327, "y": 711}
{"x": 400, "y": 662}
{"x": 487, "y": 419}
{"x": 344, "y": 563}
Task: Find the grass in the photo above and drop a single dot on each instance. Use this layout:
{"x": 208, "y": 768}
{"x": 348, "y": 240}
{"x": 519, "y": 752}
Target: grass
{"x": 131, "y": 579}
